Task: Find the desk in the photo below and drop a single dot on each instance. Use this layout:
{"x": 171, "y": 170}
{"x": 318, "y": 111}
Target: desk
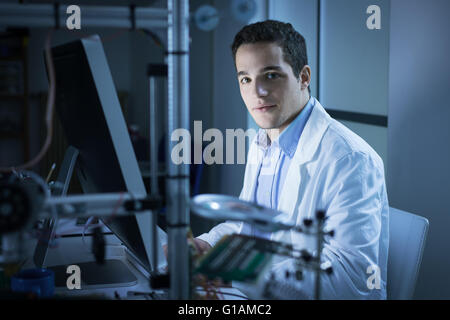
{"x": 73, "y": 250}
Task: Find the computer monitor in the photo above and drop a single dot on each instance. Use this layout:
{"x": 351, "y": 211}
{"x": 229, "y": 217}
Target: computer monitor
{"x": 88, "y": 108}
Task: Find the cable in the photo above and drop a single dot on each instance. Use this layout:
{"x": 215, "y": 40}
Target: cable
{"x": 88, "y": 222}
{"x": 49, "y": 113}
{"x": 114, "y": 35}
{"x": 154, "y": 37}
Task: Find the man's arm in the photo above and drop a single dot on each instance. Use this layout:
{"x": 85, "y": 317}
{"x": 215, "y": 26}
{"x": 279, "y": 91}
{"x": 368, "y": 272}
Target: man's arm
{"x": 222, "y": 229}
{"x": 353, "y": 194}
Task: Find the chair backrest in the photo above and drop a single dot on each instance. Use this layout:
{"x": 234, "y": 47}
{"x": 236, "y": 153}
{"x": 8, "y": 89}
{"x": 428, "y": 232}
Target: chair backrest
{"x": 407, "y": 235}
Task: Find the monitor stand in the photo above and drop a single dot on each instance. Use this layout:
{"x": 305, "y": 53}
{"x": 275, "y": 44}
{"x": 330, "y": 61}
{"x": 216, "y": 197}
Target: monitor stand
{"x": 112, "y": 273}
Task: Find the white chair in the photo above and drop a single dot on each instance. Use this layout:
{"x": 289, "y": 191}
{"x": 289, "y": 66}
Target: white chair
{"x": 407, "y": 235}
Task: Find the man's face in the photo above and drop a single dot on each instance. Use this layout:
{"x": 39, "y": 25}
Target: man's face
{"x": 271, "y": 92}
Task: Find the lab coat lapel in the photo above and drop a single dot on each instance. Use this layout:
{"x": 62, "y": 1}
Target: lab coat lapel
{"x": 251, "y": 172}
{"x": 299, "y": 173}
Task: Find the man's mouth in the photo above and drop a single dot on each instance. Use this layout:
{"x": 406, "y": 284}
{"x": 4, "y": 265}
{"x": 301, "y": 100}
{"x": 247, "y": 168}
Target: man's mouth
{"x": 264, "y": 108}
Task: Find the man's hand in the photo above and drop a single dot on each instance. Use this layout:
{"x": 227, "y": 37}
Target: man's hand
{"x": 201, "y": 246}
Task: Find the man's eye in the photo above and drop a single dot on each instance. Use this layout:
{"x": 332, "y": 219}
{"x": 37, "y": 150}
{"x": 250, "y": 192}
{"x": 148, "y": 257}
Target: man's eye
{"x": 245, "y": 80}
{"x": 271, "y": 75}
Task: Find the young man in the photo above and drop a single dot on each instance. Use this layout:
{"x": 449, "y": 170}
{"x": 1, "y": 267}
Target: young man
{"x": 310, "y": 162}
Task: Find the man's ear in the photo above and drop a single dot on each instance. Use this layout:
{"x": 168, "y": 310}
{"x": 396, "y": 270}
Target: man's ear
{"x": 305, "y": 77}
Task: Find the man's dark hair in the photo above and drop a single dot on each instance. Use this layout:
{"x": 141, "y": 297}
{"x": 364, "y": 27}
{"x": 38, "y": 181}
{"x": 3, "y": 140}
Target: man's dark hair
{"x": 291, "y": 42}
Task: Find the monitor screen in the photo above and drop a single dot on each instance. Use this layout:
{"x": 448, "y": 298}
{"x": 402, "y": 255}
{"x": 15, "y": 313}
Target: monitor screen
{"x": 88, "y": 108}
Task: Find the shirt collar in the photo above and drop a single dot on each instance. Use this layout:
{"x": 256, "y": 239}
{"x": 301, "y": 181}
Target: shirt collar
{"x": 288, "y": 139}
{"x": 262, "y": 140}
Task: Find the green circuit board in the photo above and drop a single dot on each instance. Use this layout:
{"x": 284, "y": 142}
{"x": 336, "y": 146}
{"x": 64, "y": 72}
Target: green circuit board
{"x": 236, "y": 257}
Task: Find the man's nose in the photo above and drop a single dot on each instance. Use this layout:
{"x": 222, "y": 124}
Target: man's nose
{"x": 260, "y": 89}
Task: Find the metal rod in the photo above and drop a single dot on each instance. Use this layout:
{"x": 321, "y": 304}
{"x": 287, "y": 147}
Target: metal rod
{"x": 178, "y": 175}
{"x": 153, "y": 165}
{"x": 101, "y": 198}
{"x": 153, "y": 138}
{"x": 43, "y": 15}
{"x": 99, "y": 205}
{"x": 319, "y": 254}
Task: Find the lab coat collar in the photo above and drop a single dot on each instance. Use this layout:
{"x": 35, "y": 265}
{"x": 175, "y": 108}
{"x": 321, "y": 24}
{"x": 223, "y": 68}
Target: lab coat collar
{"x": 289, "y": 138}
{"x": 310, "y": 139}
{"x": 312, "y": 134}
{"x": 308, "y": 144}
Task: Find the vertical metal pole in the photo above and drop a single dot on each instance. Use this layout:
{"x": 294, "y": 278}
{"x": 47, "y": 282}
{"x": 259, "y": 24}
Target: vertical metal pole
{"x": 153, "y": 168}
{"x": 319, "y": 255}
{"x": 178, "y": 175}
{"x": 319, "y": 45}
{"x": 153, "y": 138}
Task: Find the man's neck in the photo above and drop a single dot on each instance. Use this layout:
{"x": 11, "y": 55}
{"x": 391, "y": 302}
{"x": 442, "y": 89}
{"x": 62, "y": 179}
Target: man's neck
{"x": 274, "y": 133}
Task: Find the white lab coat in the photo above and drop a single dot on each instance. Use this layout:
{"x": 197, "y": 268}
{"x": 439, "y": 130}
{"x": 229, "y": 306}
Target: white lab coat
{"x": 335, "y": 170}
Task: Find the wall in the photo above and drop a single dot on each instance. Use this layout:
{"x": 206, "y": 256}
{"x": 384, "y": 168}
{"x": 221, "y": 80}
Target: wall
{"x": 419, "y": 131}
{"x": 143, "y": 51}
{"x": 354, "y": 65}
{"x": 302, "y": 14}
{"x": 228, "y": 110}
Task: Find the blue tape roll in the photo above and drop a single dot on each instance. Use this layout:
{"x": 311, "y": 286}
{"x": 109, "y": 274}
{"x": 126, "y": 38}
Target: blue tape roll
{"x": 38, "y": 281}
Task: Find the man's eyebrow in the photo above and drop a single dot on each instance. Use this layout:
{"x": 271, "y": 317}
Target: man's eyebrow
{"x": 278, "y": 68}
